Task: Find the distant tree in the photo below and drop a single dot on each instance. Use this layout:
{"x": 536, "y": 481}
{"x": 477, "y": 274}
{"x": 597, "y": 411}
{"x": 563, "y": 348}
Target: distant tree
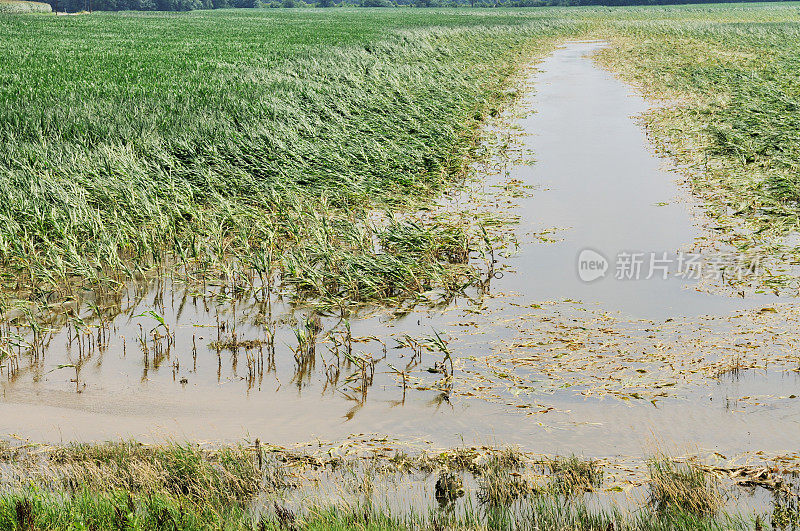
{"x": 188, "y": 5}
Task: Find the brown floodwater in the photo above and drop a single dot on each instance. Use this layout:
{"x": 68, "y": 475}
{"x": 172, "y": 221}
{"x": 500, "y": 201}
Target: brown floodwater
{"x": 595, "y": 184}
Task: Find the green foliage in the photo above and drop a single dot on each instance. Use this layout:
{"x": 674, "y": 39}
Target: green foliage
{"x": 131, "y": 486}
{"x": 20, "y": 6}
{"x": 226, "y": 477}
{"x": 274, "y": 139}
{"x": 181, "y": 486}
{"x": 32, "y": 509}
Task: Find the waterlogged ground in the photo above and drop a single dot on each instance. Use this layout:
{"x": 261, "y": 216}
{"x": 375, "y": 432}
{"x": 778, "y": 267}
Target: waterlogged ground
{"x": 537, "y": 358}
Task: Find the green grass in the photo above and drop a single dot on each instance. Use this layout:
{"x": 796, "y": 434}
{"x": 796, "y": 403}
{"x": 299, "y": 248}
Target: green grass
{"x": 10, "y": 7}
{"x": 130, "y": 486}
{"x": 32, "y": 509}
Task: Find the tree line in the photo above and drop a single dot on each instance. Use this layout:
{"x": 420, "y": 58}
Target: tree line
{"x": 72, "y": 6}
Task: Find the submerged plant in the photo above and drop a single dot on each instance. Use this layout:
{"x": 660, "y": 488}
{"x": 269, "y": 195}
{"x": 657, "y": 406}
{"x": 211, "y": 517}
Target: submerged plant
{"x": 573, "y": 475}
{"x": 499, "y": 482}
{"x": 682, "y": 487}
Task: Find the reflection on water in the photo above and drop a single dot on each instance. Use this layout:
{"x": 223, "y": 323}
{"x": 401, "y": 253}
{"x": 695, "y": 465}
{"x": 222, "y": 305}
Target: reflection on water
{"x": 168, "y": 360}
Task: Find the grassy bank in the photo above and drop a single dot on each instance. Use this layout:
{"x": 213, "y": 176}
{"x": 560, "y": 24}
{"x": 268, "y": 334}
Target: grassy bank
{"x": 267, "y": 146}
{"x": 131, "y": 486}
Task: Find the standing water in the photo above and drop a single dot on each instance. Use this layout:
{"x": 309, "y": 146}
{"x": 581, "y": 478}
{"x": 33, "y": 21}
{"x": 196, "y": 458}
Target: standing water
{"x": 556, "y": 361}
{"x": 607, "y": 195}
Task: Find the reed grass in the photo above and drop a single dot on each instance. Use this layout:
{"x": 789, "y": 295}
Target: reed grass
{"x": 682, "y": 487}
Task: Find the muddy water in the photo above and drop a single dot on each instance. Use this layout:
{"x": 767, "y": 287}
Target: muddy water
{"x": 597, "y": 182}
{"x": 603, "y": 190}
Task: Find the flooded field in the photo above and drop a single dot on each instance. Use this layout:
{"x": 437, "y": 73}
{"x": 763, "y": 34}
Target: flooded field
{"x": 541, "y": 357}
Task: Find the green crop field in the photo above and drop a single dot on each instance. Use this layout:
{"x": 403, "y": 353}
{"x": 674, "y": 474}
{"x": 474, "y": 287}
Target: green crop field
{"x": 309, "y": 148}
{"x": 260, "y": 137}
{"x": 216, "y": 141}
